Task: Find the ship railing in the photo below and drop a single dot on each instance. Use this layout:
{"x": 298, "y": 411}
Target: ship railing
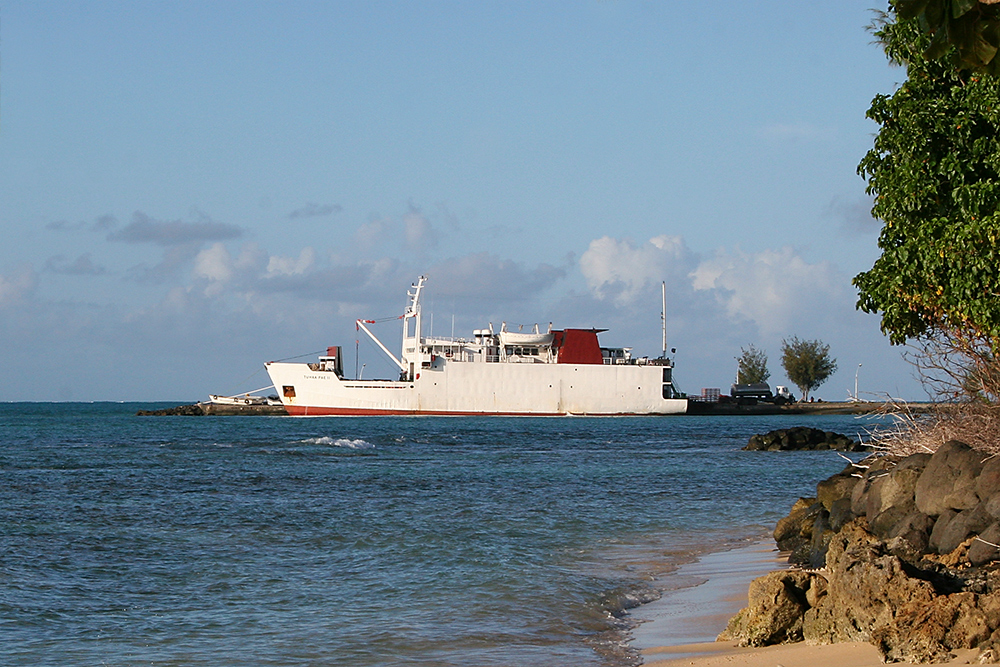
{"x": 620, "y": 361}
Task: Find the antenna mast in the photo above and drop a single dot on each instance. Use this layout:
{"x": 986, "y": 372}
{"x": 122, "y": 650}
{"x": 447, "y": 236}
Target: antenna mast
{"x": 663, "y": 316}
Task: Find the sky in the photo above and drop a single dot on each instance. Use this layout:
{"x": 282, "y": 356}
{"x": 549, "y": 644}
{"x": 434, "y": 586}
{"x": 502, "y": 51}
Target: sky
{"x": 191, "y": 189}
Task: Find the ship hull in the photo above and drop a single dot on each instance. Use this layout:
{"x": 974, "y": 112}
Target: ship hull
{"x": 460, "y": 388}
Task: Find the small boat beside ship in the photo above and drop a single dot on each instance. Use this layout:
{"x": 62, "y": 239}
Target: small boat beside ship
{"x": 551, "y": 372}
{"x": 245, "y": 399}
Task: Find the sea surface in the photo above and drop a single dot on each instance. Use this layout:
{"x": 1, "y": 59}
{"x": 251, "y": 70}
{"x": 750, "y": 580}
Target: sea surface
{"x": 130, "y": 540}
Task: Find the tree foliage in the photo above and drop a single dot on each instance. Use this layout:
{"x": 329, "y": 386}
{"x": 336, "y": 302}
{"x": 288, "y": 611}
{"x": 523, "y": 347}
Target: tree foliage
{"x": 966, "y": 31}
{"x": 934, "y": 172}
{"x": 807, "y": 363}
{"x": 752, "y": 366}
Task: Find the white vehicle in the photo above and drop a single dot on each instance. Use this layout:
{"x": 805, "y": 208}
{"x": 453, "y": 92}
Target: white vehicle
{"x": 781, "y": 392}
{"x": 552, "y": 372}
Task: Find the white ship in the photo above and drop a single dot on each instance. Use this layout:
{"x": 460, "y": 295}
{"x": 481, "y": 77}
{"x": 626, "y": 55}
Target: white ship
{"x": 555, "y": 372}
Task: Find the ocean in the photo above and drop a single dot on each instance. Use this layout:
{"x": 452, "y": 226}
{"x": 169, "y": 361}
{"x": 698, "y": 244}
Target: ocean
{"x": 423, "y": 541}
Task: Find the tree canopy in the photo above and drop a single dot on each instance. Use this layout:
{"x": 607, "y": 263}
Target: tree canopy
{"x": 934, "y": 172}
{"x": 967, "y": 30}
{"x": 807, "y": 363}
{"x": 751, "y": 366}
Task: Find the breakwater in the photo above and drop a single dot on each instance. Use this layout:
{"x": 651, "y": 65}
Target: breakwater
{"x": 215, "y": 410}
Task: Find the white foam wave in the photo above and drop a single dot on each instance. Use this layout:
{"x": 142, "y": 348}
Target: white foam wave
{"x": 340, "y": 442}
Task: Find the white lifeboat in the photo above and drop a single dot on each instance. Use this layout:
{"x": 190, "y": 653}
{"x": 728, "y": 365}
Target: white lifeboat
{"x": 521, "y": 339}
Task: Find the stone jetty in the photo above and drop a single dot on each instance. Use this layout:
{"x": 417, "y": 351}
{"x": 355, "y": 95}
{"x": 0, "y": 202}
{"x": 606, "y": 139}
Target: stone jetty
{"x": 215, "y": 410}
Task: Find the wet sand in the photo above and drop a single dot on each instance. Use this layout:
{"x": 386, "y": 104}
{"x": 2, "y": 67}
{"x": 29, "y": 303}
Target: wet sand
{"x": 703, "y": 596}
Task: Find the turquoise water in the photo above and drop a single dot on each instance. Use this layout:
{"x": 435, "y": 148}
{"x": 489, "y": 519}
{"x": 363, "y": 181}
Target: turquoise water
{"x": 131, "y": 540}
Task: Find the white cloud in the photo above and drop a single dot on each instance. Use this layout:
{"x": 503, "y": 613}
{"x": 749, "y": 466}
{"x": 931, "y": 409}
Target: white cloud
{"x": 618, "y": 269}
{"x": 776, "y": 289}
{"x": 214, "y": 263}
{"x": 290, "y": 266}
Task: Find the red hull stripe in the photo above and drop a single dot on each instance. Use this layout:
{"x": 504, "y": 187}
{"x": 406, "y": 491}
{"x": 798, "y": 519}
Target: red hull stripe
{"x": 307, "y": 411}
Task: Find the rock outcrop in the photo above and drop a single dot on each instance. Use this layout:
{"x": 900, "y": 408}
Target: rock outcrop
{"x": 216, "y": 410}
{"x": 803, "y": 437}
{"x": 194, "y": 410}
{"x": 903, "y": 555}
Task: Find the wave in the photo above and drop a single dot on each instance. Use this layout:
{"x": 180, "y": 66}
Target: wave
{"x": 340, "y": 442}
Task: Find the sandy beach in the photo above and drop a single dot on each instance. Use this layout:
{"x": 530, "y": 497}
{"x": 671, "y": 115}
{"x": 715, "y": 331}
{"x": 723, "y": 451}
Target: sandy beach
{"x": 680, "y": 628}
{"x": 719, "y": 654}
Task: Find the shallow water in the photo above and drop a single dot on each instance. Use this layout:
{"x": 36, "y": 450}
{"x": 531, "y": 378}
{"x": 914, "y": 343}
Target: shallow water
{"x": 363, "y": 541}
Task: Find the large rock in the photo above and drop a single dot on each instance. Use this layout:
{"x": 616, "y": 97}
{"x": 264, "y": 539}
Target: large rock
{"x": 983, "y": 550}
{"x": 777, "y": 602}
{"x": 949, "y": 480}
{"x": 959, "y": 527}
{"x": 992, "y": 505}
{"x": 840, "y": 514}
{"x": 988, "y": 482}
{"x": 871, "y": 482}
{"x": 866, "y": 584}
{"x": 909, "y": 538}
{"x": 899, "y": 486}
{"x": 834, "y": 488}
{"x": 796, "y": 529}
{"x": 927, "y": 630}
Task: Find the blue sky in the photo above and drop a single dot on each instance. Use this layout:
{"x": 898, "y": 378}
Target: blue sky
{"x": 190, "y": 189}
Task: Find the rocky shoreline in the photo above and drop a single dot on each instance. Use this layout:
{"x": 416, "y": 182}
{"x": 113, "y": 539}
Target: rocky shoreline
{"x": 902, "y": 553}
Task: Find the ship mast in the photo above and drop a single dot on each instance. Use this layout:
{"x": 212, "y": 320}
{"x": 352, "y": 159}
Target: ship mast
{"x": 412, "y": 334}
{"x": 663, "y": 317}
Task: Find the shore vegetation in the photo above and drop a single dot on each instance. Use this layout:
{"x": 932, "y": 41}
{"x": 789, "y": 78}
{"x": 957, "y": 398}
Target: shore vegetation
{"x": 807, "y": 363}
{"x": 751, "y": 366}
{"x": 966, "y": 31}
{"x": 934, "y": 175}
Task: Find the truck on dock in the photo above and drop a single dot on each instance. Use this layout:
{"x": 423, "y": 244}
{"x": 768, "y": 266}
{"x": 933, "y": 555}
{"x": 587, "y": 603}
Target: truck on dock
{"x": 760, "y": 392}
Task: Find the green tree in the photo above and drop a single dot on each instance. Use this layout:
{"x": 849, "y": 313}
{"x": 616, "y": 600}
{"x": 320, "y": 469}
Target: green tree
{"x": 807, "y": 363}
{"x": 751, "y": 366}
{"x": 966, "y": 31}
{"x": 934, "y": 172}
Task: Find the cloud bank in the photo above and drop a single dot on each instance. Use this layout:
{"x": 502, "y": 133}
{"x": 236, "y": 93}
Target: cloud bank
{"x": 212, "y": 305}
